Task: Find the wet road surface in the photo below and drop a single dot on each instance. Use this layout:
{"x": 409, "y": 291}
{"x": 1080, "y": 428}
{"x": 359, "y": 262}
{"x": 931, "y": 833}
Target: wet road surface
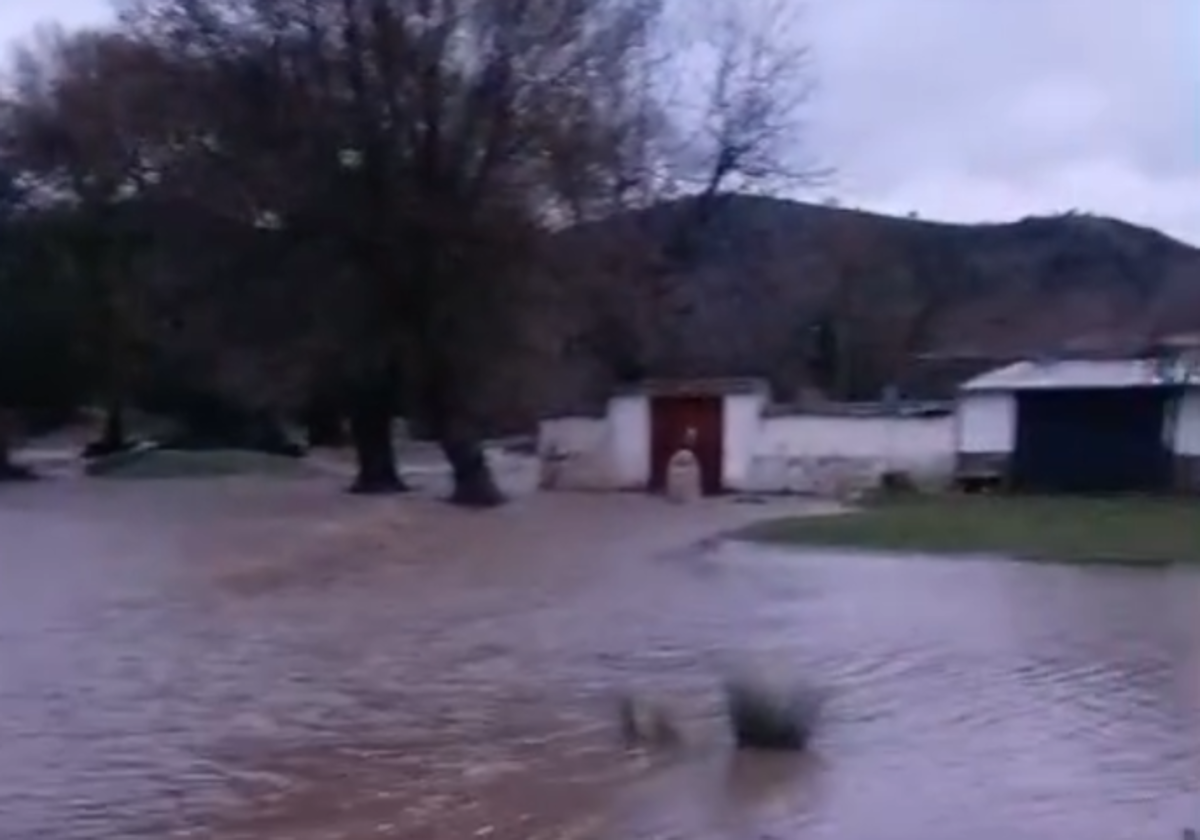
{"x": 231, "y": 659}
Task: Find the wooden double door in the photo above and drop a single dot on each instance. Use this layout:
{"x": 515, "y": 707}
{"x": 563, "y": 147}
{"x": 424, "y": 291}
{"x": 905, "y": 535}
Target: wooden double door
{"x": 697, "y": 422}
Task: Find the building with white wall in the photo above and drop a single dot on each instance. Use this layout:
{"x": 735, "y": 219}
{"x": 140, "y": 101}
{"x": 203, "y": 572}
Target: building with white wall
{"x": 1081, "y": 425}
{"x": 629, "y": 446}
{"x": 1072, "y": 425}
{"x": 743, "y": 443}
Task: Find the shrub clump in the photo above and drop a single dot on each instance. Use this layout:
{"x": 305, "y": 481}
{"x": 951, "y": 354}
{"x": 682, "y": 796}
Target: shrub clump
{"x": 765, "y": 719}
{"x": 645, "y": 724}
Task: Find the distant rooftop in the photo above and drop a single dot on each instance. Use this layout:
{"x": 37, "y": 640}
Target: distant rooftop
{"x": 1083, "y": 373}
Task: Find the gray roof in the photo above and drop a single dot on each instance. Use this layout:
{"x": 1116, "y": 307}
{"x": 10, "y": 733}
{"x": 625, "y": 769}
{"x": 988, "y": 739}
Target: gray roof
{"x": 1082, "y": 373}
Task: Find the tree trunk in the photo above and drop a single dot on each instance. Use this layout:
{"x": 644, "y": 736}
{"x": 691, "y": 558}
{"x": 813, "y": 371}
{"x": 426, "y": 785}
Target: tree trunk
{"x": 6, "y": 464}
{"x": 115, "y": 432}
{"x": 8, "y": 470}
{"x": 324, "y": 426}
{"x": 474, "y": 485}
{"x": 114, "y": 436}
{"x": 371, "y": 434}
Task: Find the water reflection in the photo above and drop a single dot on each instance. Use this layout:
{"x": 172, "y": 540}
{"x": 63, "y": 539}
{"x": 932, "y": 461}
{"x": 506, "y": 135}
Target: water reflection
{"x": 273, "y": 662}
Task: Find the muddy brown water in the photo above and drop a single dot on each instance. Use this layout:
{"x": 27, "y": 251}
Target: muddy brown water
{"x": 230, "y": 659}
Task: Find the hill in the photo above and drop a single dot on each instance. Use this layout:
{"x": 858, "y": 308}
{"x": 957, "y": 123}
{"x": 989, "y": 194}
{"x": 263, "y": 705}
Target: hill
{"x": 845, "y": 300}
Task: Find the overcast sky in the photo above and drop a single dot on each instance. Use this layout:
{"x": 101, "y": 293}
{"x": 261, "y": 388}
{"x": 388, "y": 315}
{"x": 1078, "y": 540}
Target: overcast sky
{"x": 982, "y": 109}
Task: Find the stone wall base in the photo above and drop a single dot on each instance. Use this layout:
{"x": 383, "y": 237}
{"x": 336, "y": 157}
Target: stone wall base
{"x": 982, "y": 470}
{"x": 836, "y": 477}
{"x": 992, "y": 470}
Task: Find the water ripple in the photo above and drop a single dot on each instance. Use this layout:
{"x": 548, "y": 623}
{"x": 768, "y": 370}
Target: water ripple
{"x": 176, "y": 667}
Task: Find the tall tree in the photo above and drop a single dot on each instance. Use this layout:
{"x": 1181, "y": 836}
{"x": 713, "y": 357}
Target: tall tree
{"x": 717, "y": 109}
{"x": 414, "y": 135}
{"x": 41, "y": 361}
{"x": 268, "y": 135}
{"x": 434, "y": 143}
{"x": 78, "y": 124}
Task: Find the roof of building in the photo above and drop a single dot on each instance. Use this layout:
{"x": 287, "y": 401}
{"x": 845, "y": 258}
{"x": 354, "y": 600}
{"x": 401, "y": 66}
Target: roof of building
{"x": 1068, "y": 374}
{"x": 695, "y": 387}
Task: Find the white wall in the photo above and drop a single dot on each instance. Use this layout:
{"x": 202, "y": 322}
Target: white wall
{"x": 822, "y": 453}
{"x": 986, "y": 422}
{"x": 742, "y": 429}
{"x": 629, "y": 439}
{"x": 1187, "y": 424}
{"x": 571, "y": 435}
{"x": 794, "y": 453}
{"x": 594, "y": 453}
{"x": 575, "y": 453}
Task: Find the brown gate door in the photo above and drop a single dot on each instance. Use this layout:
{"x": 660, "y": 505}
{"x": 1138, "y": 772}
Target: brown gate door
{"x": 672, "y": 421}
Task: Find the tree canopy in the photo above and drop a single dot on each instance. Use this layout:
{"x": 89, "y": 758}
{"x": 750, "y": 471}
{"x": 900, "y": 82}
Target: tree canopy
{"x": 355, "y": 196}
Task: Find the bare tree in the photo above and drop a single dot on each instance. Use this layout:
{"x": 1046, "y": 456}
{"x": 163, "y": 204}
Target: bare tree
{"x": 723, "y": 95}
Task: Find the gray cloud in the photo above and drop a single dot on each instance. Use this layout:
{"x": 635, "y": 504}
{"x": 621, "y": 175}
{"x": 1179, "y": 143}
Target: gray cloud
{"x": 982, "y": 109}
{"x": 18, "y": 19}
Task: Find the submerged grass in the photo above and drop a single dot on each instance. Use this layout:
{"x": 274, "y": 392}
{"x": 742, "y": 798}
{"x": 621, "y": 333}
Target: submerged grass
{"x": 1119, "y": 530}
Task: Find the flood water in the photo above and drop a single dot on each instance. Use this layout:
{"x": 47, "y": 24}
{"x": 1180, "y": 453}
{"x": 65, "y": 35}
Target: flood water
{"x": 235, "y": 660}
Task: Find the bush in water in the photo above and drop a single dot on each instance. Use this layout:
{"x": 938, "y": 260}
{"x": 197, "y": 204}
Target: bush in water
{"x": 645, "y": 724}
{"x": 762, "y": 718}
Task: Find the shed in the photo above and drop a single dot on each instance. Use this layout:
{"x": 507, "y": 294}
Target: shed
{"x": 1082, "y": 425}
